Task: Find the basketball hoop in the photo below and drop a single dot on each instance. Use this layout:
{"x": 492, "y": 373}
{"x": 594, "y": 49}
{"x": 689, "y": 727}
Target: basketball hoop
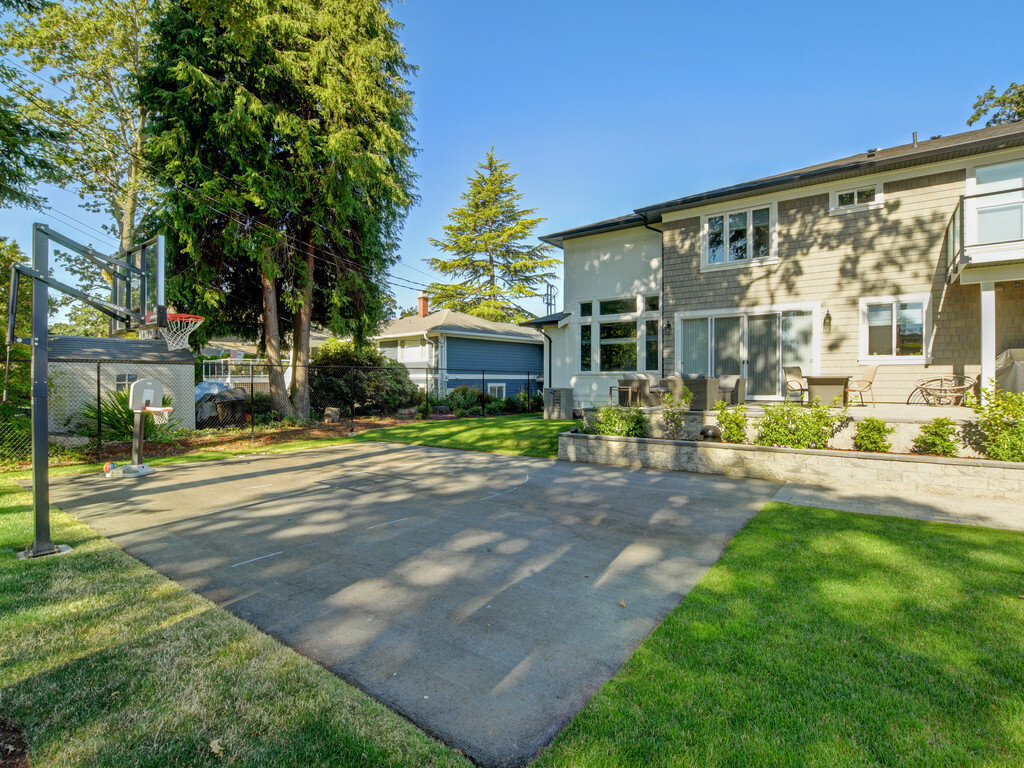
{"x": 160, "y": 415}
{"x": 179, "y": 328}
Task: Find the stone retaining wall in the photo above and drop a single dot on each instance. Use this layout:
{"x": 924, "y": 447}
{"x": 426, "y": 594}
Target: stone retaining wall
{"x": 929, "y": 475}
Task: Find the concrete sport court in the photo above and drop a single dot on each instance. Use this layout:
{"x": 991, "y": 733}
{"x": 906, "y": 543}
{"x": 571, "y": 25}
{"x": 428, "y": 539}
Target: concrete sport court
{"x": 484, "y": 597}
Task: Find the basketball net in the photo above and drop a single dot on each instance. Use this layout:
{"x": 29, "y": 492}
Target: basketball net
{"x": 179, "y": 328}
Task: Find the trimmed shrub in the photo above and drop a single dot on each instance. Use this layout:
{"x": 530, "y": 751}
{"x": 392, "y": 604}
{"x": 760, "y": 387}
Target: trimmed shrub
{"x": 732, "y": 422}
{"x": 872, "y": 435}
{"x": 937, "y": 438}
{"x": 463, "y": 398}
{"x": 423, "y": 408}
{"x": 790, "y": 425}
{"x": 620, "y": 420}
{"x": 346, "y": 377}
{"x": 475, "y": 410}
{"x": 118, "y": 419}
{"x": 1001, "y": 423}
{"x": 495, "y": 408}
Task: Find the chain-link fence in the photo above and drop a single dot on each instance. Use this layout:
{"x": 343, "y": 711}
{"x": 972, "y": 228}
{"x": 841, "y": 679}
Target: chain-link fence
{"x": 88, "y": 399}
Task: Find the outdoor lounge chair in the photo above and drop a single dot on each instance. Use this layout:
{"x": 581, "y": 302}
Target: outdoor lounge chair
{"x": 732, "y": 389}
{"x": 795, "y": 381}
{"x": 860, "y": 386}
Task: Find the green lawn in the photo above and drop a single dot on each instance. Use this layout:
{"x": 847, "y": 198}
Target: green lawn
{"x": 518, "y": 435}
{"x": 827, "y": 639}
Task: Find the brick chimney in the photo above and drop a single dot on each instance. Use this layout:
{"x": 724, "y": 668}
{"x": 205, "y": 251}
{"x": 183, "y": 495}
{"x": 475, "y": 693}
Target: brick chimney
{"x": 423, "y": 304}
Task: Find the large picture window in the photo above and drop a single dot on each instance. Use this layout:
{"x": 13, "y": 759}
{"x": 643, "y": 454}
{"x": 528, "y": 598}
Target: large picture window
{"x": 738, "y": 236}
{"x": 585, "y": 348}
{"x": 894, "y": 328}
{"x": 618, "y": 346}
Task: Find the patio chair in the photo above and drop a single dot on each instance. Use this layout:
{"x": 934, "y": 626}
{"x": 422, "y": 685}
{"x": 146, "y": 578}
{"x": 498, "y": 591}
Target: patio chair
{"x": 860, "y": 386}
{"x": 795, "y": 381}
{"x": 732, "y": 389}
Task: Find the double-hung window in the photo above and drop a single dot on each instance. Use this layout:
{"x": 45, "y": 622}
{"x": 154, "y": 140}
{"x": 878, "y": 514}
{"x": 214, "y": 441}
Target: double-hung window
{"x": 894, "y": 329}
{"x": 739, "y": 236}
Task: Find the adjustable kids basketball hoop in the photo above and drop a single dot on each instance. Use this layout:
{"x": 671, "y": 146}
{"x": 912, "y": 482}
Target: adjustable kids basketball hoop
{"x": 146, "y": 396}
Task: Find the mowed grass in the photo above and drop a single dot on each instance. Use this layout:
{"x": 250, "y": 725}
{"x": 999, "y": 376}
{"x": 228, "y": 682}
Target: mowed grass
{"x": 105, "y": 662}
{"x": 826, "y": 639}
{"x": 516, "y": 435}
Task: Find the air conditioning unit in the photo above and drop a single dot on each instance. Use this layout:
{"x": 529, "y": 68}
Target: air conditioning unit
{"x": 558, "y": 402}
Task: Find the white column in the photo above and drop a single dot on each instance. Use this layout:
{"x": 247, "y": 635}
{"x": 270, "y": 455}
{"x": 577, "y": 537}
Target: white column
{"x": 988, "y": 334}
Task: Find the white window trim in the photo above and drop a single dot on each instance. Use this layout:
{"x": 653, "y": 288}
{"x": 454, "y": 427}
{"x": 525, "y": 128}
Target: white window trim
{"x": 773, "y": 236}
{"x": 834, "y": 208}
{"x": 924, "y": 359}
{"x": 500, "y": 386}
{"x": 639, "y": 316}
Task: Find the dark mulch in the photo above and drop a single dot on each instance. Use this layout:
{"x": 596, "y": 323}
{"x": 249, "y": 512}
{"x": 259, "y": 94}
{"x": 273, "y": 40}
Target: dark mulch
{"x": 13, "y": 747}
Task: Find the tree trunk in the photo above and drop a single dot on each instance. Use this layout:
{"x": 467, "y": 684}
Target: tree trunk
{"x": 300, "y": 336}
{"x": 272, "y": 341}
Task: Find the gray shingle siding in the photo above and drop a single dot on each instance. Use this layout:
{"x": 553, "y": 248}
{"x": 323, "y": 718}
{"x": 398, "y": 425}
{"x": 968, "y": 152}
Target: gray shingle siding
{"x": 496, "y": 356}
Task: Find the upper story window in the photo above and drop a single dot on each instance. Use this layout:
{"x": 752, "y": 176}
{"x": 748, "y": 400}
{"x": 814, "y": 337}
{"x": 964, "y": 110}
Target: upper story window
{"x": 586, "y": 308}
{"x": 617, "y": 306}
{"x": 860, "y": 198}
{"x": 739, "y": 237}
{"x": 652, "y": 303}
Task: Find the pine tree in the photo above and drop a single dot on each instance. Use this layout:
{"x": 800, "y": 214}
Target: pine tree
{"x": 492, "y": 265}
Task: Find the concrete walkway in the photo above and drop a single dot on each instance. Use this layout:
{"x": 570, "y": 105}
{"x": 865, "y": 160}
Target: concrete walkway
{"x": 963, "y": 510}
{"x": 484, "y": 597}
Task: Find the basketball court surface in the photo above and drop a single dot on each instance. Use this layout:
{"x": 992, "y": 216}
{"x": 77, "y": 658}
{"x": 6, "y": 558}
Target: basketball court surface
{"x": 484, "y": 597}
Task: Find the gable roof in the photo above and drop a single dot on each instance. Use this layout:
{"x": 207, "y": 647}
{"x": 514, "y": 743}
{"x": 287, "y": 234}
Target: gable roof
{"x": 450, "y": 321}
{"x": 873, "y": 161}
{"x": 101, "y": 349}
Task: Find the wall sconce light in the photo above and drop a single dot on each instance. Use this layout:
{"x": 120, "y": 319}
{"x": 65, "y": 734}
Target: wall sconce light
{"x": 826, "y": 323}
{"x": 668, "y": 325}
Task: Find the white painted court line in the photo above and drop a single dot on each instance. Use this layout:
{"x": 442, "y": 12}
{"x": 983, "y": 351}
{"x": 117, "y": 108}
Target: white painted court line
{"x": 514, "y": 487}
{"x": 390, "y": 522}
{"x": 261, "y": 557}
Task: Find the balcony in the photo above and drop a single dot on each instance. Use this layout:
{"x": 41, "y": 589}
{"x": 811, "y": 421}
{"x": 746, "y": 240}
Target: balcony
{"x": 985, "y": 237}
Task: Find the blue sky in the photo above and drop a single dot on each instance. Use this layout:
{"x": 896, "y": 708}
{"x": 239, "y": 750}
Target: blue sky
{"x": 602, "y": 107}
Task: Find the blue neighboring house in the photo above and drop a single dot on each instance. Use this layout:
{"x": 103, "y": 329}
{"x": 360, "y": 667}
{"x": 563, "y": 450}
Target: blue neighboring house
{"x": 445, "y": 349}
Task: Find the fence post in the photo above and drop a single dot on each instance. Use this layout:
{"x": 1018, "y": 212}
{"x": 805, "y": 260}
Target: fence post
{"x": 483, "y": 389}
{"x": 528, "y": 391}
{"x": 99, "y": 415}
{"x": 252, "y": 403}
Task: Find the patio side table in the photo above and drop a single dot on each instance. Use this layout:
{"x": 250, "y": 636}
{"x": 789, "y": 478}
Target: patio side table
{"x": 827, "y": 388}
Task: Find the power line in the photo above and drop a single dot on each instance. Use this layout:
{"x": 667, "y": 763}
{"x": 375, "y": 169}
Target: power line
{"x": 329, "y": 258}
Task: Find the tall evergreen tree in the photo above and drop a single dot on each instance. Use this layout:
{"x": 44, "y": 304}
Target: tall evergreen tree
{"x": 283, "y": 131}
{"x": 1005, "y": 107}
{"x": 492, "y": 265}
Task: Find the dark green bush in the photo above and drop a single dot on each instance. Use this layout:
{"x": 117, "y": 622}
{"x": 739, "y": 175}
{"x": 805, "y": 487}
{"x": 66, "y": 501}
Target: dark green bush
{"x": 118, "y": 420}
{"x": 463, "y": 398}
{"x": 536, "y": 403}
{"x": 475, "y": 410}
{"x": 495, "y": 408}
{"x": 345, "y": 377}
{"x": 620, "y": 420}
{"x": 788, "y": 424}
{"x": 872, "y": 435}
{"x": 732, "y": 422}
{"x": 937, "y": 438}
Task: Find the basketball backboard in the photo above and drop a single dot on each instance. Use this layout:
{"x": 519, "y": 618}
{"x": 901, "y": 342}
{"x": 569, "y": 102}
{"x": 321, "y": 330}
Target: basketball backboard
{"x": 138, "y": 286}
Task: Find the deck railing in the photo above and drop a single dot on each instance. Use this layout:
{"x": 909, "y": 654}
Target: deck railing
{"x": 988, "y": 219}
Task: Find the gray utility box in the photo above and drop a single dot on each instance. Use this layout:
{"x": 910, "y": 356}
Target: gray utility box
{"x": 558, "y": 402}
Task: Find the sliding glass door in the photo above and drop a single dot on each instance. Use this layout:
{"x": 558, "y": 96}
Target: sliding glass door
{"x": 755, "y": 346}
{"x": 763, "y": 370}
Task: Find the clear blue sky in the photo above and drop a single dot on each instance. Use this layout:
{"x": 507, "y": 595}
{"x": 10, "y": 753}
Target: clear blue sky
{"x": 602, "y": 107}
